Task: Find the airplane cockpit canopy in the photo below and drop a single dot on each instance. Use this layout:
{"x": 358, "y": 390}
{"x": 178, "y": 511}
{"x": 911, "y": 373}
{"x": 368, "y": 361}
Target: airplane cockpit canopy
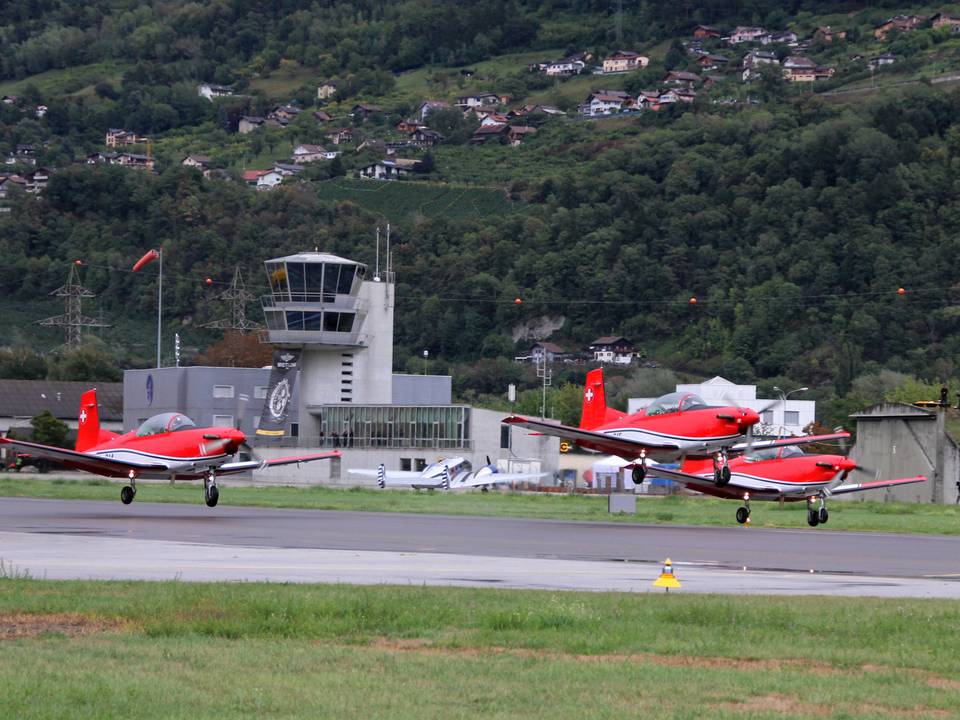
{"x": 675, "y": 402}
{"x": 774, "y": 453}
{"x": 164, "y": 423}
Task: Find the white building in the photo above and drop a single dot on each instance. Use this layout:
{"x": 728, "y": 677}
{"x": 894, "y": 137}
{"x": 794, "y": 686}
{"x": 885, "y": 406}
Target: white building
{"x": 776, "y": 416}
{"x": 211, "y": 91}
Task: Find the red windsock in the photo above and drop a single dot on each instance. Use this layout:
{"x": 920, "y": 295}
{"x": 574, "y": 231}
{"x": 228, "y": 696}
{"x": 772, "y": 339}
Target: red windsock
{"x": 148, "y": 257}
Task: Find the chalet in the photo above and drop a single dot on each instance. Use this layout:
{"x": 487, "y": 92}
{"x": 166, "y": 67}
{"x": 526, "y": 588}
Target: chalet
{"x": 308, "y": 153}
{"x": 326, "y": 90}
{"x": 339, "y": 136}
{"x": 37, "y": 180}
{"x": 702, "y": 32}
{"x": 624, "y": 61}
{"x": 668, "y": 97}
{"x": 709, "y": 61}
{"x": 605, "y": 103}
{"x": 201, "y": 162}
{"x": 944, "y": 20}
{"x": 10, "y": 184}
{"x": 752, "y": 62}
{"x": 518, "y": 133}
{"x": 287, "y": 170}
{"x": 211, "y": 91}
{"x": 428, "y": 106}
{"x": 472, "y": 101}
{"x": 425, "y": 137}
{"x": 376, "y": 145}
{"x": 684, "y": 94}
{"x": 408, "y": 126}
{"x": 612, "y": 349}
{"x": 116, "y": 137}
{"x": 807, "y": 73}
{"x": 827, "y": 34}
{"x": 363, "y": 111}
{"x": 321, "y": 116}
{"x": 565, "y": 67}
{"x": 680, "y": 77}
{"x": 899, "y": 23}
{"x": 494, "y": 119}
{"x": 104, "y": 158}
{"x": 798, "y": 61}
{"x": 786, "y": 37}
{"x": 389, "y": 169}
{"x": 546, "y": 352}
{"x": 262, "y": 179}
{"x": 743, "y": 34}
{"x": 133, "y": 160}
{"x": 249, "y": 123}
{"x": 283, "y": 114}
{"x": 881, "y": 60}
{"x": 486, "y": 133}
{"x": 648, "y": 100}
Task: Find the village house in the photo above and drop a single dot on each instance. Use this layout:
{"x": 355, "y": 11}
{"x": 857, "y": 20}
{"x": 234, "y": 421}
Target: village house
{"x": 308, "y": 153}
{"x": 287, "y": 170}
{"x": 408, "y": 126}
{"x": 117, "y": 137}
{"x": 624, "y": 61}
{"x": 565, "y": 67}
{"x": 612, "y": 349}
{"x": 326, "y": 90}
{"x": 899, "y": 23}
{"x": 37, "y": 180}
{"x": 136, "y": 161}
{"x": 518, "y": 133}
{"x": 24, "y": 154}
{"x": 945, "y": 20}
{"x": 710, "y": 61}
{"x": 262, "y": 180}
{"x": 339, "y": 136}
{"x": 425, "y": 137}
{"x": 602, "y": 103}
{"x": 283, "y": 114}
{"x": 742, "y": 34}
{"x": 11, "y": 184}
{"x": 545, "y": 352}
{"x": 211, "y": 91}
{"x": 486, "y": 133}
{"x": 389, "y": 169}
{"x": 363, "y": 111}
{"x": 786, "y": 37}
{"x": 378, "y": 146}
{"x": 10, "y": 100}
{"x": 680, "y": 77}
{"x": 493, "y": 119}
{"x": 41, "y": 111}
{"x": 321, "y": 116}
{"x": 102, "y": 158}
{"x": 249, "y": 123}
{"x": 827, "y": 34}
{"x": 881, "y": 60}
{"x": 200, "y": 162}
{"x": 794, "y": 62}
{"x": 752, "y": 62}
{"x": 702, "y": 32}
{"x": 428, "y": 106}
{"x": 480, "y": 100}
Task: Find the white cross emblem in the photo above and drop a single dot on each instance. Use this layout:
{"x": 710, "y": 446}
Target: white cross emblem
{"x": 589, "y": 394}
{"x": 83, "y": 416}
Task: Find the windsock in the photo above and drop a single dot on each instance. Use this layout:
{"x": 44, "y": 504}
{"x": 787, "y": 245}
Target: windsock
{"x": 147, "y": 258}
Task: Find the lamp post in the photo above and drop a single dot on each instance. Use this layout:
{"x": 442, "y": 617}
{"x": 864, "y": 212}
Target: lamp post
{"x": 783, "y": 399}
{"x": 426, "y": 354}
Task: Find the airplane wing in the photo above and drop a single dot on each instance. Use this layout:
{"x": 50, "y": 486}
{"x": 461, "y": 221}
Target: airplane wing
{"x": 875, "y": 484}
{"x": 496, "y": 479}
{"x": 783, "y": 442}
{"x": 81, "y": 461}
{"x": 587, "y": 438}
{"x": 245, "y": 465}
{"x": 402, "y": 478}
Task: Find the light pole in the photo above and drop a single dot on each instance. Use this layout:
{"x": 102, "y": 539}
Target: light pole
{"x": 783, "y": 399}
{"x": 426, "y": 354}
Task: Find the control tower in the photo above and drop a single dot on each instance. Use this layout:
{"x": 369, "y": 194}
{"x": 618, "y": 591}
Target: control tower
{"x": 342, "y": 321}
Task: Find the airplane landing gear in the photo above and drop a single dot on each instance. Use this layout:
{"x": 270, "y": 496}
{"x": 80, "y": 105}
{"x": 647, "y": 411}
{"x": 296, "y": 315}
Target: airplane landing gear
{"x": 128, "y": 492}
{"x": 743, "y": 513}
{"x": 816, "y": 516}
{"x": 639, "y": 474}
{"x": 211, "y": 493}
{"x": 721, "y": 469}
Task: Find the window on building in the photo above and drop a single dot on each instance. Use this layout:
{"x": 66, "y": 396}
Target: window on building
{"x": 223, "y": 420}
{"x": 504, "y": 437}
{"x": 260, "y": 392}
{"x": 223, "y": 391}
{"x": 406, "y": 464}
{"x": 791, "y": 417}
{"x": 419, "y": 464}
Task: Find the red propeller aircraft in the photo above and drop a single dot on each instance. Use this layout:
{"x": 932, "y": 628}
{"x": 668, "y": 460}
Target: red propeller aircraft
{"x": 779, "y": 473}
{"x": 671, "y": 427}
{"x": 166, "y": 447}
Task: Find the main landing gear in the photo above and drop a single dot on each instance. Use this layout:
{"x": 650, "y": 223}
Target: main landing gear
{"x": 816, "y": 516}
{"x": 639, "y": 473}
{"x": 211, "y": 493}
{"x": 743, "y": 513}
{"x": 128, "y": 492}
{"x": 721, "y": 468}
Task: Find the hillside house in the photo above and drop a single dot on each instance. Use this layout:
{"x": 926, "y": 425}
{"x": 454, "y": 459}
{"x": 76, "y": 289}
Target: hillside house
{"x": 326, "y": 90}
{"x": 37, "y": 180}
{"x": 102, "y": 158}
{"x": 425, "y": 137}
{"x": 710, "y": 61}
{"x": 898, "y": 23}
{"x": 377, "y": 146}
{"x": 24, "y": 154}
{"x": 681, "y": 77}
{"x": 363, "y": 111}
{"x": 321, "y": 117}
{"x": 605, "y": 104}
{"x": 405, "y": 127}
{"x": 428, "y": 106}
{"x": 262, "y": 180}
{"x": 10, "y": 100}
{"x": 544, "y": 351}
{"x": 117, "y": 137}
{"x": 880, "y": 60}
{"x": 945, "y": 20}
{"x": 389, "y": 169}
{"x": 11, "y": 184}
{"x": 211, "y": 91}
{"x": 786, "y": 37}
{"x": 752, "y": 62}
{"x": 613, "y": 349}
{"x": 339, "y": 136}
{"x": 702, "y": 32}
{"x": 287, "y": 170}
{"x": 136, "y": 161}
{"x": 480, "y": 100}
{"x": 798, "y": 61}
{"x": 486, "y": 133}
{"x": 200, "y": 162}
{"x": 249, "y": 123}
{"x": 742, "y": 34}
{"x": 518, "y": 133}
{"x": 41, "y": 111}
{"x": 624, "y": 61}
{"x": 566, "y": 67}
{"x": 283, "y": 114}
{"x": 493, "y": 119}
{"x": 308, "y": 153}
{"x": 827, "y": 34}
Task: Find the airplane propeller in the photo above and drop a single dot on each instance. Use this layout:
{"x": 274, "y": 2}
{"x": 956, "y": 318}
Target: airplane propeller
{"x": 242, "y": 401}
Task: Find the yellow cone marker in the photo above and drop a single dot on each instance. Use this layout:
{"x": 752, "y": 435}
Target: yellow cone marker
{"x": 666, "y": 579}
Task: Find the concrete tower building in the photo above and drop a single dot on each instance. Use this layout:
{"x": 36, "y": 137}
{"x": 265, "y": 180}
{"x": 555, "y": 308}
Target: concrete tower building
{"x": 342, "y": 320}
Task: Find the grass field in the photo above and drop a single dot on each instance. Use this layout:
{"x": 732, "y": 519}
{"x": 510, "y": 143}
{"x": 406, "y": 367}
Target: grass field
{"x": 859, "y": 516}
{"x": 68, "y": 80}
{"x": 177, "y": 650}
{"x": 402, "y": 201}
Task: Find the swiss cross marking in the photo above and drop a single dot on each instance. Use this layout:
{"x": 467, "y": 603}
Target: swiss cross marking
{"x": 83, "y": 416}
{"x": 589, "y": 394}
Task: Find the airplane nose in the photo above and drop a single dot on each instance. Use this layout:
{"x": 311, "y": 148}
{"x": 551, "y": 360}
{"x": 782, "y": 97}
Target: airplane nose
{"x": 847, "y": 465}
{"x": 749, "y": 417}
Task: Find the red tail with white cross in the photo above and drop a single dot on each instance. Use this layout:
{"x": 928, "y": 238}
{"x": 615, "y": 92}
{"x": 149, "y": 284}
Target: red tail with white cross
{"x": 595, "y": 411}
{"x": 89, "y": 433}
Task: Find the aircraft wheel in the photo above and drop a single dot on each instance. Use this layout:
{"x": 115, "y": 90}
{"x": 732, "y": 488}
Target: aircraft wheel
{"x": 484, "y": 489}
{"x": 725, "y": 474}
{"x": 212, "y": 496}
{"x": 126, "y": 494}
{"x": 743, "y": 514}
{"x": 823, "y": 516}
{"x": 813, "y": 518}
{"x": 639, "y": 475}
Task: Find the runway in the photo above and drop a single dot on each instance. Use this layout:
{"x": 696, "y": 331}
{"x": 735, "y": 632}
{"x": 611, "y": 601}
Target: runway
{"x": 85, "y": 539}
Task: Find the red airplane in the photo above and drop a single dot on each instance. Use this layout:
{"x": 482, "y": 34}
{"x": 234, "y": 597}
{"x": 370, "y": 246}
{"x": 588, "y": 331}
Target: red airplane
{"x": 168, "y": 446}
{"x": 779, "y": 473}
{"x": 671, "y": 427}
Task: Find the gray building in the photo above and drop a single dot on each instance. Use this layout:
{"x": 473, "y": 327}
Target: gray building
{"x": 21, "y": 400}
{"x": 897, "y": 440}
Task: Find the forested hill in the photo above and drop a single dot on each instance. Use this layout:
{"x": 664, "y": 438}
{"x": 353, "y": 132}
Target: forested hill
{"x": 763, "y": 232}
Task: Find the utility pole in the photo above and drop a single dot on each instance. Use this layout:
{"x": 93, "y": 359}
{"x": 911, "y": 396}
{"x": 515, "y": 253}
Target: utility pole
{"x": 238, "y": 296}
{"x": 546, "y": 375}
{"x": 73, "y": 320}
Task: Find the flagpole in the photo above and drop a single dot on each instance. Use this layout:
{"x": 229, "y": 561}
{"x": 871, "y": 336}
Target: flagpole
{"x": 159, "y": 304}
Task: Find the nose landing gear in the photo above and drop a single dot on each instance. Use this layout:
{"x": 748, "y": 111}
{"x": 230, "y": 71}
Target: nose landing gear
{"x": 743, "y": 513}
{"x": 721, "y": 468}
{"x": 816, "y": 516}
{"x": 211, "y": 493}
{"x": 128, "y": 492}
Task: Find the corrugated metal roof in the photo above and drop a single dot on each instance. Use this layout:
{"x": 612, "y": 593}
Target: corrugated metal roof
{"x": 27, "y": 398}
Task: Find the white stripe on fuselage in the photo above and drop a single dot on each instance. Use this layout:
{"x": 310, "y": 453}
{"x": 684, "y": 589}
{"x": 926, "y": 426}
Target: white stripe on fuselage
{"x": 145, "y": 459}
{"x": 755, "y": 483}
{"x": 685, "y": 443}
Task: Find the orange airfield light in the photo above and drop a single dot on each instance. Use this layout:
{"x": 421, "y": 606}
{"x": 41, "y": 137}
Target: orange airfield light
{"x": 209, "y": 281}
{"x": 901, "y": 291}
{"x": 518, "y": 301}
{"x": 693, "y": 301}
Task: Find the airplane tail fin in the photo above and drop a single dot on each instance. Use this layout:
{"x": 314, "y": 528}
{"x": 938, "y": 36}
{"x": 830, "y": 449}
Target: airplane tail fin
{"x": 89, "y": 432}
{"x": 595, "y": 411}
{"x": 381, "y": 476}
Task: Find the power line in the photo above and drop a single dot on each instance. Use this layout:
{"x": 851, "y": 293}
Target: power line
{"x": 73, "y": 320}
{"x": 238, "y": 297}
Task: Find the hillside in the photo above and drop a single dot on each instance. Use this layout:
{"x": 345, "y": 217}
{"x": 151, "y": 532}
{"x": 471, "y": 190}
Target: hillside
{"x": 793, "y": 209}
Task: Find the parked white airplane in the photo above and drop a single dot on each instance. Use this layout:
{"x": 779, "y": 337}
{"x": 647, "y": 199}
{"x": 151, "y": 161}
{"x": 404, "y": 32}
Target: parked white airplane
{"x": 449, "y": 474}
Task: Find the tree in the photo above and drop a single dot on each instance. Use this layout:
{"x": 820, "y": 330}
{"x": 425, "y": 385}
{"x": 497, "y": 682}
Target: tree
{"x": 237, "y": 350}
{"x": 48, "y": 430}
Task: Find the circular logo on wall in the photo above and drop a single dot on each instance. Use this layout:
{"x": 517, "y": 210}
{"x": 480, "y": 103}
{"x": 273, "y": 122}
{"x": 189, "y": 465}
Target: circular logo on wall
{"x": 149, "y": 389}
{"x": 279, "y": 399}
